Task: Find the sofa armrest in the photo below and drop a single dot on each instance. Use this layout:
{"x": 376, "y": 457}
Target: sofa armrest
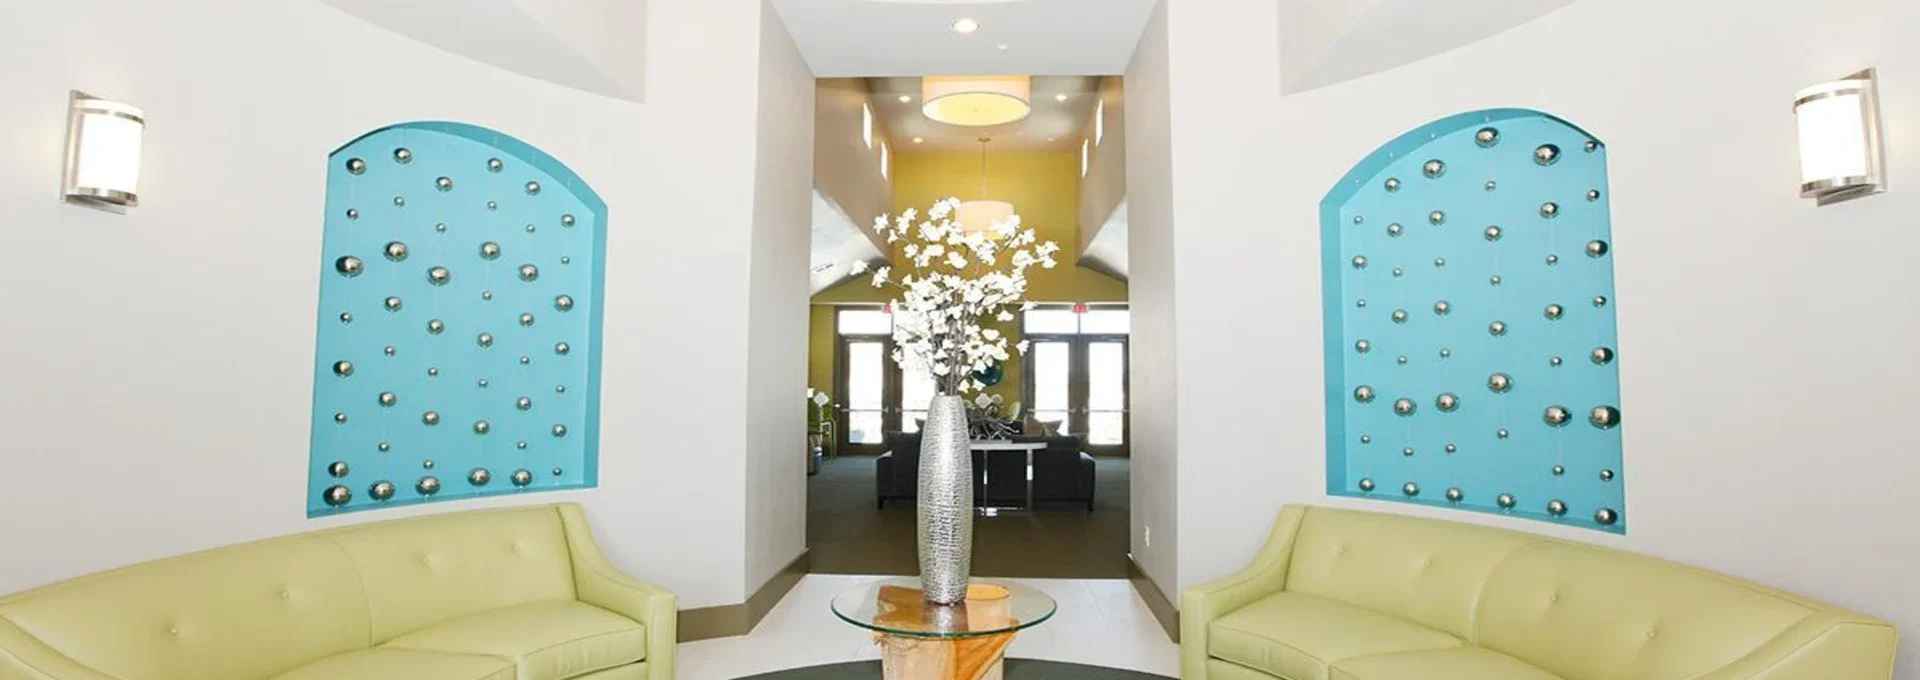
{"x": 1830, "y": 645}
{"x": 1200, "y": 605}
{"x": 598, "y": 583}
{"x": 25, "y": 657}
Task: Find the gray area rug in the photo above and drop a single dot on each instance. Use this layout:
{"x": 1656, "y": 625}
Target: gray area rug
{"x": 1016, "y": 669}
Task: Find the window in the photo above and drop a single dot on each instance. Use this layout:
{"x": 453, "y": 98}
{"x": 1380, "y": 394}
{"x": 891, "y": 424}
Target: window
{"x": 866, "y": 124}
{"x": 871, "y": 321}
{"x": 1076, "y": 372}
{"x": 1099, "y": 121}
{"x": 1065, "y": 321}
{"x": 886, "y": 159}
{"x": 1083, "y": 158}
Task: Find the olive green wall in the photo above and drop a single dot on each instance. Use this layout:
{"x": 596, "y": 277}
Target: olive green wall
{"x": 1044, "y": 188}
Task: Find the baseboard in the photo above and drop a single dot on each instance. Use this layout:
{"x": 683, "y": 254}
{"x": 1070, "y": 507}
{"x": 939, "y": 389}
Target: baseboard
{"x": 729, "y": 620}
{"x": 1163, "y": 610}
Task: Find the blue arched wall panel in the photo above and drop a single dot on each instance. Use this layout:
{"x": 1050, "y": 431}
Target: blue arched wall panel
{"x": 1471, "y": 347}
{"x": 459, "y": 335}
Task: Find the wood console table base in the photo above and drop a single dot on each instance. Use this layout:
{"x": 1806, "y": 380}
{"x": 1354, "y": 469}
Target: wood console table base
{"x": 910, "y": 658}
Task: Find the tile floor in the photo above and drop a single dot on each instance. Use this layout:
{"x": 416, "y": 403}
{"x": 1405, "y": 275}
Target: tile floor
{"x": 1101, "y": 622}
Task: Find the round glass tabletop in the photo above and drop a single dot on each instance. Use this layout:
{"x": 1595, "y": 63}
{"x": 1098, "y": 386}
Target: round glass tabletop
{"x": 895, "y": 606}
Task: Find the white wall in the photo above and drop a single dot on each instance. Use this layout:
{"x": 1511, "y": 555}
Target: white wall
{"x": 845, "y": 169}
{"x": 1150, "y": 290}
{"x": 1765, "y": 343}
{"x": 154, "y": 367}
{"x": 775, "y": 425}
{"x": 1105, "y": 184}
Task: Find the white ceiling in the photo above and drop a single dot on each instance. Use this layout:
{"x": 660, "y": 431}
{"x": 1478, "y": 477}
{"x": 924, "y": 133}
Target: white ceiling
{"x": 1323, "y": 42}
{"x": 1054, "y": 125}
{"x": 847, "y": 38}
{"x": 594, "y": 45}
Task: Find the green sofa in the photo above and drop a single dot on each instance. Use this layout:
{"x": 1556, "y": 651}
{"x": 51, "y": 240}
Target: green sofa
{"x": 519, "y": 593}
{"x": 1347, "y": 595}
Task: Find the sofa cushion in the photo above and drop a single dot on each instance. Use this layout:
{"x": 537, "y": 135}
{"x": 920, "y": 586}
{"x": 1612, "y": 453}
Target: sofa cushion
{"x": 425, "y": 570}
{"x": 546, "y": 640}
{"x": 404, "y": 664}
{"x": 1422, "y": 570}
{"x": 1296, "y": 636}
{"x": 1458, "y": 663}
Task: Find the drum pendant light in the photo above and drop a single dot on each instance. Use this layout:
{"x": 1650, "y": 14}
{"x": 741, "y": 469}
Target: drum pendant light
{"x": 982, "y": 214}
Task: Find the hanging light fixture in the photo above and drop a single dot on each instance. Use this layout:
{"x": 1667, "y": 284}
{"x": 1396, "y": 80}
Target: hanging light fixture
{"x": 982, "y": 214}
{"x": 976, "y": 101}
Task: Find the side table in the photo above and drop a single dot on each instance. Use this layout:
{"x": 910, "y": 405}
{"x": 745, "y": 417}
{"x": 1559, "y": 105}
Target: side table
{"x": 924, "y": 641}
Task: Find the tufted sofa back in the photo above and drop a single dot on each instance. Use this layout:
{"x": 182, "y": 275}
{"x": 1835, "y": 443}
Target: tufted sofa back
{"x": 260, "y": 609}
{"x": 1579, "y": 611}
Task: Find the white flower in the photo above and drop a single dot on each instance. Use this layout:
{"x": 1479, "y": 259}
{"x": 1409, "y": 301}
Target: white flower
{"x": 857, "y": 267}
{"x": 880, "y": 277}
{"x": 1004, "y": 315}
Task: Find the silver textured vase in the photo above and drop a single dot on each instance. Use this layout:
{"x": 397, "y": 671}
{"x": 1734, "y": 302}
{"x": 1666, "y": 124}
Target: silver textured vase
{"x": 945, "y": 501}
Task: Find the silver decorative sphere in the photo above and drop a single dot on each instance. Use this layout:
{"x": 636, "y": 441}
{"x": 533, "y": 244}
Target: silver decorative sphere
{"x": 1404, "y": 406}
{"x": 523, "y": 403}
{"x": 489, "y": 251}
{"x": 1554, "y": 362}
{"x": 399, "y": 201}
{"x": 337, "y": 495}
{"x": 1433, "y": 168}
{"x": 492, "y": 205}
{"x": 482, "y": 427}
{"x": 522, "y": 477}
{"x": 1393, "y": 184}
{"x": 1556, "y": 416}
{"x": 1439, "y": 262}
{"x": 1410, "y": 489}
{"x": 1359, "y": 262}
{"x": 428, "y": 485}
{"x": 1604, "y": 417}
{"x": 1363, "y": 394}
{"x": 1358, "y": 219}
{"x": 1399, "y": 316}
{"x": 340, "y": 417}
{"x": 388, "y": 399}
{"x": 479, "y": 477}
{"x": 1407, "y": 452}
{"x": 563, "y": 303}
{"x": 526, "y": 319}
{"x": 1437, "y": 218}
{"x": 1596, "y": 248}
{"x": 389, "y": 350}
{"x": 430, "y": 418}
{"x": 443, "y": 184}
{"x": 1553, "y": 312}
{"x": 1605, "y": 517}
{"x": 1559, "y": 470}
{"x": 533, "y": 188}
{"x": 343, "y": 368}
{"x": 1553, "y": 260}
{"x": 1606, "y": 475}
{"x": 1366, "y": 439}
{"x": 380, "y": 490}
{"x": 562, "y": 348}
{"x": 1546, "y": 154}
{"x": 1362, "y": 346}
{"x": 1593, "y": 194}
{"x": 1446, "y": 402}
{"x": 559, "y": 430}
{"x": 337, "y": 469}
{"x": 484, "y": 339}
{"x": 1445, "y": 352}
{"x": 353, "y": 213}
{"x": 1497, "y": 328}
{"x": 1493, "y": 233}
{"x": 440, "y": 227}
{"x": 1549, "y": 210}
{"x": 1501, "y": 433}
{"x": 1599, "y": 300}
{"x": 1361, "y": 303}
{"x": 1455, "y": 495}
{"x": 486, "y": 295}
{"x": 439, "y": 276}
{"x": 1451, "y": 448}
{"x": 1592, "y": 146}
{"x": 559, "y": 389}
{"x": 1493, "y": 280}
{"x": 566, "y": 220}
{"x": 522, "y": 445}
{"x": 1486, "y": 137}
{"x": 349, "y": 266}
{"x": 566, "y": 260}
{"x": 433, "y": 371}
{"x": 1499, "y": 382}
{"x": 483, "y": 383}
{"x": 428, "y": 463}
{"x": 385, "y": 447}
{"x": 346, "y": 317}
{"x": 1506, "y": 501}
{"x": 1398, "y": 271}
{"x": 557, "y": 472}
{"x": 1556, "y": 507}
{"x": 436, "y": 326}
{"x": 1402, "y": 360}
{"x": 1394, "y": 230}
{"x": 1491, "y": 185}
{"x": 1366, "y": 483}
{"x": 402, "y": 156}
{"x": 393, "y": 303}
{"x": 1601, "y": 356}
{"x": 529, "y": 272}
{"x": 1442, "y": 308}
{"x": 524, "y": 359}
{"x": 531, "y": 228}
{"x": 356, "y": 166}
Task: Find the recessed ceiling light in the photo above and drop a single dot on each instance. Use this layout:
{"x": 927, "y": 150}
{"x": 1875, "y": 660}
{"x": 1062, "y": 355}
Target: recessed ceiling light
{"x": 1060, "y": 97}
{"x": 918, "y": 140}
{"x": 1001, "y": 46}
{"x": 905, "y": 98}
{"x": 964, "y": 25}
{"x": 1052, "y": 138}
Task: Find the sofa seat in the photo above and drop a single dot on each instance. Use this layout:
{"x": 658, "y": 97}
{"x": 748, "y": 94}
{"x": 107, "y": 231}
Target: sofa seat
{"x": 1458, "y": 663}
{"x": 1299, "y": 637}
{"x": 543, "y": 640}
{"x": 404, "y": 664}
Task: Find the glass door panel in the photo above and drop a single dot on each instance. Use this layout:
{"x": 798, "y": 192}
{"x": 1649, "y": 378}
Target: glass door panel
{"x": 1106, "y": 404}
{"x": 1052, "y": 382}
{"x": 916, "y": 392}
{"x": 866, "y": 390}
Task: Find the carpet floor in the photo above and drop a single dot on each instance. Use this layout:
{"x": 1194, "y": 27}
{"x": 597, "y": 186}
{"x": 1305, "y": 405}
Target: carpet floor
{"x": 1016, "y": 669}
{"x": 846, "y": 534}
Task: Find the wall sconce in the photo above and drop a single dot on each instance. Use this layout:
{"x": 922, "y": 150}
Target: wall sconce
{"x": 103, "y": 153}
{"x": 1840, "y": 153}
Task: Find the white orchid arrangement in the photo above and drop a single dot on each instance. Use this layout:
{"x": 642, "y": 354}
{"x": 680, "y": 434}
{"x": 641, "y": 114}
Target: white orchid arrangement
{"x": 955, "y": 279}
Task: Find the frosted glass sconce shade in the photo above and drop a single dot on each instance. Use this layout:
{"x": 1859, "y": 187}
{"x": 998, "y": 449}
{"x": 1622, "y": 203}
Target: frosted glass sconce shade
{"x": 103, "y": 152}
{"x": 1840, "y": 155}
